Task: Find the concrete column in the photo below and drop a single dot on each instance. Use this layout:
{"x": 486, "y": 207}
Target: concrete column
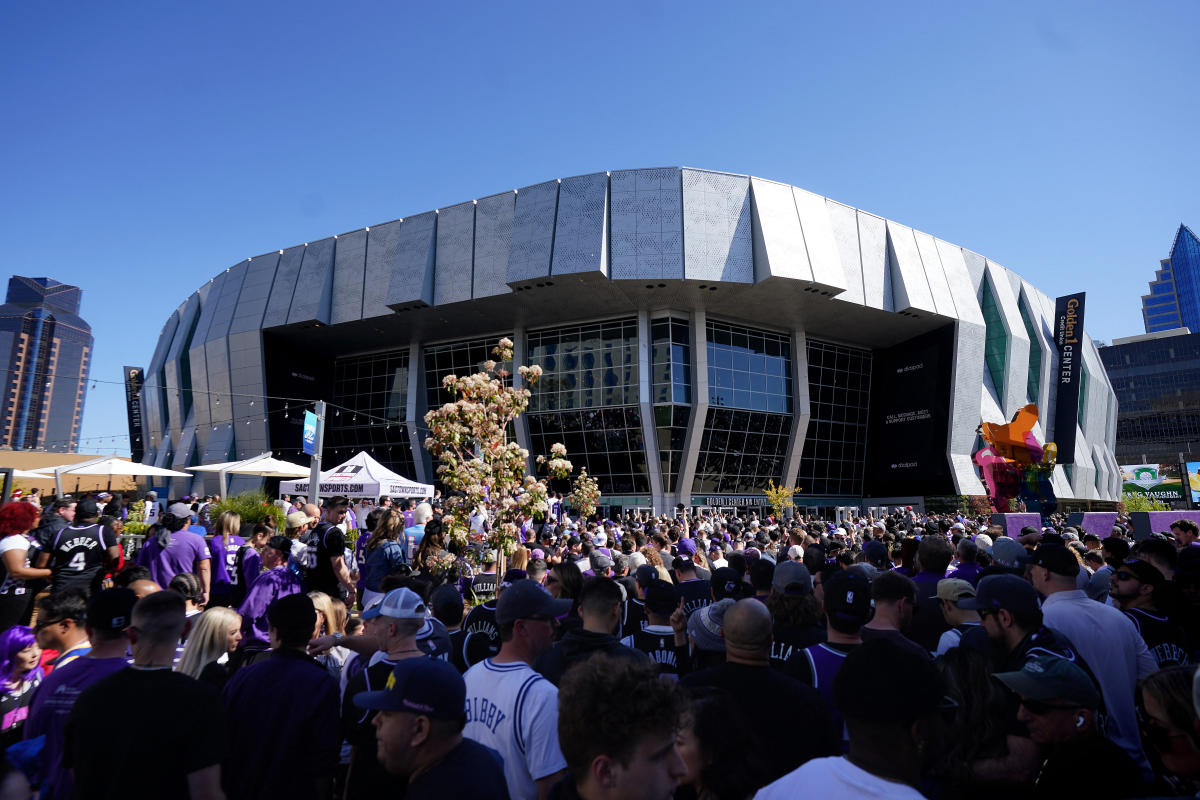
{"x": 414, "y": 421}
{"x": 521, "y": 426}
{"x": 801, "y": 412}
{"x": 695, "y": 433}
{"x": 645, "y": 352}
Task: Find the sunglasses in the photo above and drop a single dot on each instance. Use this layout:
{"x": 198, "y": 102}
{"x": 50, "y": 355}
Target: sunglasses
{"x": 1125, "y": 575}
{"x": 47, "y": 623}
{"x": 1039, "y": 708}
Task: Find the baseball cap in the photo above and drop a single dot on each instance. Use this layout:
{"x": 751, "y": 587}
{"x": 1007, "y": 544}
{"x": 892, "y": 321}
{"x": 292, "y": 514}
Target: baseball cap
{"x": 298, "y": 518}
{"x": 848, "y": 596}
{"x": 1052, "y": 678}
{"x": 726, "y": 582}
{"x": 1057, "y": 558}
{"x": 601, "y": 561}
{"x": 181, "y": 510}
{"x": 152, "y": 494}
{"x": 1009, "y": 553}
{"x": 792, "y": 578}
{"x": 876, "y": 553}
{"x": 686, "y": 547}
{"x": 280, "y": 543}
{"x": 1144, "y": 571}
{"x": 1010, "y": 592}
{"x": 527, "y": 600}
{"x": 111, "y": 609}
{"x": 87, "y": 508}
{"x": 425, "y": 686}
{"x": 444, "y": 600}
{"x": 984, "y": 542}
{"x": 795, "y": 552}
{"x": 661, "y": 597}
{"x": 644, "y": 574}
{"x": 704, "y": 625}
{"x": 954, "y": 589}
{"x": 399, "y": 603}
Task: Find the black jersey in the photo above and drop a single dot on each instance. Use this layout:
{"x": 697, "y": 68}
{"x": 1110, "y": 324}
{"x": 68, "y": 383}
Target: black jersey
{"x": 1164, "y": 639}
{"x": 77, "y": 556}
{"x": 658, "y": 643}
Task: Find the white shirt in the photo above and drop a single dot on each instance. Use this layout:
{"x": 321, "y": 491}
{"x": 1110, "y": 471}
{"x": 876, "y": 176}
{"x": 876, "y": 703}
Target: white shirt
{"x": 835, "y": 779}
{"x": 950, "y": 640}
{"x": 1115, "y": 652}
{"x": 514, "y": 710}
{"x": 152, "y": 511}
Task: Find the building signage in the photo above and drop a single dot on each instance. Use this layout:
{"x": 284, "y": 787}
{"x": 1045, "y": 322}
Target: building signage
{"x": 752, "y": 500}
{"x": 1155, "y": 481}
{"x": 1068, "y": 338}
{"x": 310, "y": 432}
{"x": 1193, "y": 481}
{"x": 134, "y": 379}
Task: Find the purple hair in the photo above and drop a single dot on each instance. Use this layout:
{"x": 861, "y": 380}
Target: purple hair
{"x": 13, "y": 641}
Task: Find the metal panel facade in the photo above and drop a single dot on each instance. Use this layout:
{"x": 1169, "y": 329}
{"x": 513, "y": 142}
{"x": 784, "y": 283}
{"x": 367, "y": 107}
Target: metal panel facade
{"x": 412, "y": 273}
{"x": 580, "y": 228}
{"x": 779, "y": 249}
{"x": 873, "y": 248}
{"x": 493, "y": 237}
{"x": 532, "y": 240}
{"x": 349, "y": 265}
{"x": 382, "y": 241}
{"x": 717, "y": 240}
{"x": 455, "y": 251}
{"x": 314, "y": 286}
{"x": 818, "y": 237}
{"x": 845, "y": 234}
{"x": 647, "y": 224}
{"x": 279, "y": 306}
{"x": 909, "y": 284}
{"x": 256, "y": 291}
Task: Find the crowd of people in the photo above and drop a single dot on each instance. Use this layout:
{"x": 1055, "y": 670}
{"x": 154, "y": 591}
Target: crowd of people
{"x": 356, "y": 652}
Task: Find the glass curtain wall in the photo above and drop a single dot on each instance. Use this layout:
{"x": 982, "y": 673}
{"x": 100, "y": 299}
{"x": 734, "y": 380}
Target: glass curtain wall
{"x": 671, "y": 393}
{"x": 839, "y": 389}
{"x": 587, "y": 398}
{"x": 373, "y": 393}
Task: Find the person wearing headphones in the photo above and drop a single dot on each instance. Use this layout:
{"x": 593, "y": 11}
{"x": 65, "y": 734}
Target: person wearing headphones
{"x": 1059, "y": 705}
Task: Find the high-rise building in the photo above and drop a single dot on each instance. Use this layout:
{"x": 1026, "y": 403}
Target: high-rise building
{"x": 49, "y": 353}
{"x": 1174, "y": 299}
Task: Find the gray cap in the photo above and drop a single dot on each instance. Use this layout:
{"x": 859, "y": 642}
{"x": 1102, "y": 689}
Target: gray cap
{"x": 704, "y": 625}
{"x": 1009, "y": 553}
{"x": 1052, "y": 678}
{"x": 792, "y": 578}
{"x": 601, "y": 561}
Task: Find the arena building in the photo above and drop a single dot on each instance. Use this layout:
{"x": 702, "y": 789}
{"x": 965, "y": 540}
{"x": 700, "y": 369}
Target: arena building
{"x": 702, "y": 333}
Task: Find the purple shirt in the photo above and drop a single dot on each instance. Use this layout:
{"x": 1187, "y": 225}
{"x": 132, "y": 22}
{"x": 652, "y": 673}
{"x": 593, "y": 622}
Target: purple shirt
{"x": 968, "y": 572}
{"x": 270, "y": 586}
{"x": 183, "y": 554}
{"x": 924, "y": 576}
{"x": 52, "y": 702}
{"x": 223, "y": 562}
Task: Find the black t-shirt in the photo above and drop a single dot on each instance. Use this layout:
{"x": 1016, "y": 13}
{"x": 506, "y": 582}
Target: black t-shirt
{"x": 456, "y": 650}
{"x": 484, "y": 583}
{"x": 329, "y": 542}
{"x": 481, "y": 637}
{"x": 760, "y": 693}
{"x": 897, "y": 638}
{"x": 77, "y": 556}
{"x": 1165, "y": 640}
{"x": 787, "y": 640}
{"x": 142, "y": 732}
{"x": 634, "y": 618}
{"x": 367, "y": 777}
{"x": 469, "y": 770}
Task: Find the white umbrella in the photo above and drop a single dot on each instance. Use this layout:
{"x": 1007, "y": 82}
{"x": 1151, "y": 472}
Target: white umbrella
{"x": 27, "y": 475}
{"x": 264, "y": 466}
{"x": 110, "y": 466}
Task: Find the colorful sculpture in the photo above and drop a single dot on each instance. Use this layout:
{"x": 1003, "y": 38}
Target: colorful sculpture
{"x": 1014, "y": 465}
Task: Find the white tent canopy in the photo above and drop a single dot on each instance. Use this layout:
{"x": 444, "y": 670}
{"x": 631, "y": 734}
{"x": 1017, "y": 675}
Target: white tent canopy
{"x": 264, "y": 466}
{"x": 361, "y": 476}
{"x": 109, "y": 466}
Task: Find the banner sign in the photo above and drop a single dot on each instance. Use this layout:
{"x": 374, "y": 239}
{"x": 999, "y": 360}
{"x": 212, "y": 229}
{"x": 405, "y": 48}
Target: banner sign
{"x": 1193, "y": 481}
{"x": 310, "y": 432}
{"x": 1068, "y": 338}
{"x": 134, "y": 379}
{"x": 1155, "y": 481}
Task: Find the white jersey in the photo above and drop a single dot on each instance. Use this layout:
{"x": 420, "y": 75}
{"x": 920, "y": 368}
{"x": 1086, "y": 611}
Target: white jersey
{"x": 514, "y": 710}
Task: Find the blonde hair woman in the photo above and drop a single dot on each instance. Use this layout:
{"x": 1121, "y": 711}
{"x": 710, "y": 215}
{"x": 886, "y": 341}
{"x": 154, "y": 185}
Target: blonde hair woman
{"x": 224, "y": 545}
{"x": 213, "y": 638}
{"x": 519, "y": 559}
{"x": 331, "y": 619}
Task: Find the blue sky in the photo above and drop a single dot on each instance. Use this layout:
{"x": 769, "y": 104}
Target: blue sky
{"x": 148, "y": 146}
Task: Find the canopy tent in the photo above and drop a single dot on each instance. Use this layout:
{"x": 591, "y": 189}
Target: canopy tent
{"x": 108, "y": 466}
{"x": 263, "y": 466}
{"x": 361, "y": 476}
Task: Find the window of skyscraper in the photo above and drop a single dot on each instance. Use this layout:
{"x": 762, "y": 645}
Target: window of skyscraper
{"x": 749, "y": 368}
{"x": 587, "y": 366}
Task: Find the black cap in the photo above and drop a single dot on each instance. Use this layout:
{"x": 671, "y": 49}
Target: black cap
{"x": 726, "y": 582}
{"x": 848, "y": 596}
{"x": 528, "y": 600}
{"x": 1009, "y": 592}
{"x": 111, "y": 609}
{"x": 281, "y": 543}
{"x": 645, "y": 574}
{"x": 1144, "y": 571}
{"x": 661, "y": 597}
{"x": 445, "y": 600}
{"x": 1057, "y": 558}
{"x": 87, "y": 508}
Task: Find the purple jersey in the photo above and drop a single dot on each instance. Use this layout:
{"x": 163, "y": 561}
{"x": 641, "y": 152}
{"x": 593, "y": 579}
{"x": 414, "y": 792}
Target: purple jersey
{"x": 270, "y": 586}
{"x": 224, "y": 563}
{"x": 183, "y": 554}
{"x": 52, "y": 702}
{"x": 824, "y": 661}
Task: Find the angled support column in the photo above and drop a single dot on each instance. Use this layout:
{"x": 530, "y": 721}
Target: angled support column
{"x": 695, "y": 433}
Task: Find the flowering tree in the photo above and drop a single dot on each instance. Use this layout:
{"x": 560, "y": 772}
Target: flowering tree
{"x": 780, "y": 499}
{"x": 585, "y": 495}
{"x": 479, "y": 464}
